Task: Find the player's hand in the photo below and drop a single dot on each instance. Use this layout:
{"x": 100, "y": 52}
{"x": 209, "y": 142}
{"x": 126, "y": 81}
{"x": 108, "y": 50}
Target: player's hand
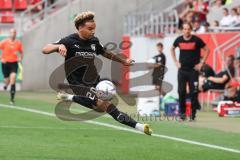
{"x": 128, "y": 62}
{"x": 62, "y": 50}
{"x": 198, "y": 66}
{"x": 178, "y": 64}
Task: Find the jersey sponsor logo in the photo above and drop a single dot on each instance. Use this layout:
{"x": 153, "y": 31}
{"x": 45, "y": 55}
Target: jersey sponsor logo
{"x": 85, "y": 54}
{"x": 187, "y": 46}
{"x": 159, "y": 59}
{"x": 93, "y": 46}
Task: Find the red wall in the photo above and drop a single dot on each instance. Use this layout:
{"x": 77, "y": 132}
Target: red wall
{"x": 216, "y": 39}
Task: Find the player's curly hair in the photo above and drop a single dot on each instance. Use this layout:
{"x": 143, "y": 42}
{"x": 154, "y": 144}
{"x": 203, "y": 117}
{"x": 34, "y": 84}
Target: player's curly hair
{"x": 84, "y": 17}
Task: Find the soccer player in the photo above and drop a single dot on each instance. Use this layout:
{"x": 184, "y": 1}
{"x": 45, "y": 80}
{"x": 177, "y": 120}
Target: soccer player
{"x": 10, "y": 48}
{"x": 189, "y": 65}
{"x": 79, "y": 50}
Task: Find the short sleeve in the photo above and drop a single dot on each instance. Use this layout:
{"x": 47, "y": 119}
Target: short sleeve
{"x": 1, "y": 44}
{"x": 20, "y": 47}
{"x": 176, "y": 43}
{"x": 99, "y": 48}
{"x": 201, "y": 43}
{"x": 63, "y": 41}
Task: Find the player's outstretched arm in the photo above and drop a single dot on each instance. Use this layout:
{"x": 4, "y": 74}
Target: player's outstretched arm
{"x": 219, "y": 80}
{"x": 118, "y": 58}
{"x": 51, "y": 48}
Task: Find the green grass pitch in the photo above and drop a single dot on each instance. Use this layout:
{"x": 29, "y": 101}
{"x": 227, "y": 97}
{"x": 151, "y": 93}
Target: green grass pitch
{"x": 31, "y": 136}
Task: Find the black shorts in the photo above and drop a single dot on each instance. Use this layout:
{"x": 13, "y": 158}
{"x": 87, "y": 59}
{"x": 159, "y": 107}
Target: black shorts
{"x": 158, "y": 76}
{"x": 85, "y": 95}
{"x": 157, "y": 81}
{"x": 8, "y": 68}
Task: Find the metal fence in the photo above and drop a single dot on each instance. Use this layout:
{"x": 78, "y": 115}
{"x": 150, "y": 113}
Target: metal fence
{"x": 26, "y": 20}
{"x": 30, "y": 18}
{"x": 151, "y": 23}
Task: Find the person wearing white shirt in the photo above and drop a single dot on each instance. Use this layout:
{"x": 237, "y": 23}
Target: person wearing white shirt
{"x": 234, "y": 16}
{"x": 198, "y": 28}
{"x": 226, "y": 20}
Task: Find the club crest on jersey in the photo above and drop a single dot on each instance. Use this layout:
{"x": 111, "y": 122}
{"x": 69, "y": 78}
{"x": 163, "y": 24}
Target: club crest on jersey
{"x": 93, "y": 46}
{"x": 77, "y": 46}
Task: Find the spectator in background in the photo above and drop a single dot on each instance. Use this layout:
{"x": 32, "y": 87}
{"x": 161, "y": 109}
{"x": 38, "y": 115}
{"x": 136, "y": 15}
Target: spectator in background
{"x": 216, "y": 5}
{"x": 215, "y": 23}
{"x": 189, "y": 4}
{"x": 198, "y": 28}
{"x": 215, "y": 26}
{"x": 234, "y": 17}
{"x": 238, "y": 10}
{"x": 217, "y": 9}
{"x": 186, "y": 17}
{"x": 226, "y": 19}
{"x": 200, "y": 8}
{"x": 158, "y": 68}
{"x": 207, "y": 25}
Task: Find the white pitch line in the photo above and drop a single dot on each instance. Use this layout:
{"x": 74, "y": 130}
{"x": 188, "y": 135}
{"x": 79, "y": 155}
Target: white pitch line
{"x": 131, "y": 130}
{"x": 47, "y": 128}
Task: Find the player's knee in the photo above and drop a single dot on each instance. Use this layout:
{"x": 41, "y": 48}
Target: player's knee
{"x": 98, "y": 109}
{"x": 12, "y": 77}
{"x": 102, "y": 106}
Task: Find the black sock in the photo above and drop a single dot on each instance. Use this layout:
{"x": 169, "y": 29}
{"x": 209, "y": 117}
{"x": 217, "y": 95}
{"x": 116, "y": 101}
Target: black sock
{"x": 121, "y": 117}
{"x": 12, "y": 92}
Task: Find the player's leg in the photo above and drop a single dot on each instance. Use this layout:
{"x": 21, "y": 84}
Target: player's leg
{"x": 193, "y": 85}
{"x": 12, "y": 83}
{"x": 121, "y": 117}
{"x": 6, "y": 73}
{"x": 160, "y": 80}
{"x": 201, "y": 80}
{"x": 182, "y": 82}
{"x": 6, "y": 83}
{"x": 105, "y": 106}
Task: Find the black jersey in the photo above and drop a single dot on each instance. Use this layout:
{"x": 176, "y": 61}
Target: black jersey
{"x": 207, "y": 71}
{"x": 222, "y": 73}
{"x": 160, "y": 58}
{"x": 190, "y": 51}
{"x": 79, "y": 61}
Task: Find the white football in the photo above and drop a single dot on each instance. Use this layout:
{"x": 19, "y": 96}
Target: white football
{"x": 105, "y": 90}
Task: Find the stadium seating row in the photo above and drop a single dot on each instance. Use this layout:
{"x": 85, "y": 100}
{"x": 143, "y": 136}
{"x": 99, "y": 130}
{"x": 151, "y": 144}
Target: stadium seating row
{"x": 6, "y": 17}
{"x": 16, "y": 4}
{"x": 7, "y": 8}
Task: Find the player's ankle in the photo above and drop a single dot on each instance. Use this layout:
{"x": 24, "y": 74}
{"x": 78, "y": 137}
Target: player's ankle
{"x": 70, "y": 97}
{"x": 140, "y": 127}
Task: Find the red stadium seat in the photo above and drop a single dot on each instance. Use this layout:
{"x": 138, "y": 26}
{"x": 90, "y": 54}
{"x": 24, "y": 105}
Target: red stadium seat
{"x": 34, "y": 1}
{"x": 7, "y": 17}
{"x": 20, "y": 4}
{"x": 6, "y": 4}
